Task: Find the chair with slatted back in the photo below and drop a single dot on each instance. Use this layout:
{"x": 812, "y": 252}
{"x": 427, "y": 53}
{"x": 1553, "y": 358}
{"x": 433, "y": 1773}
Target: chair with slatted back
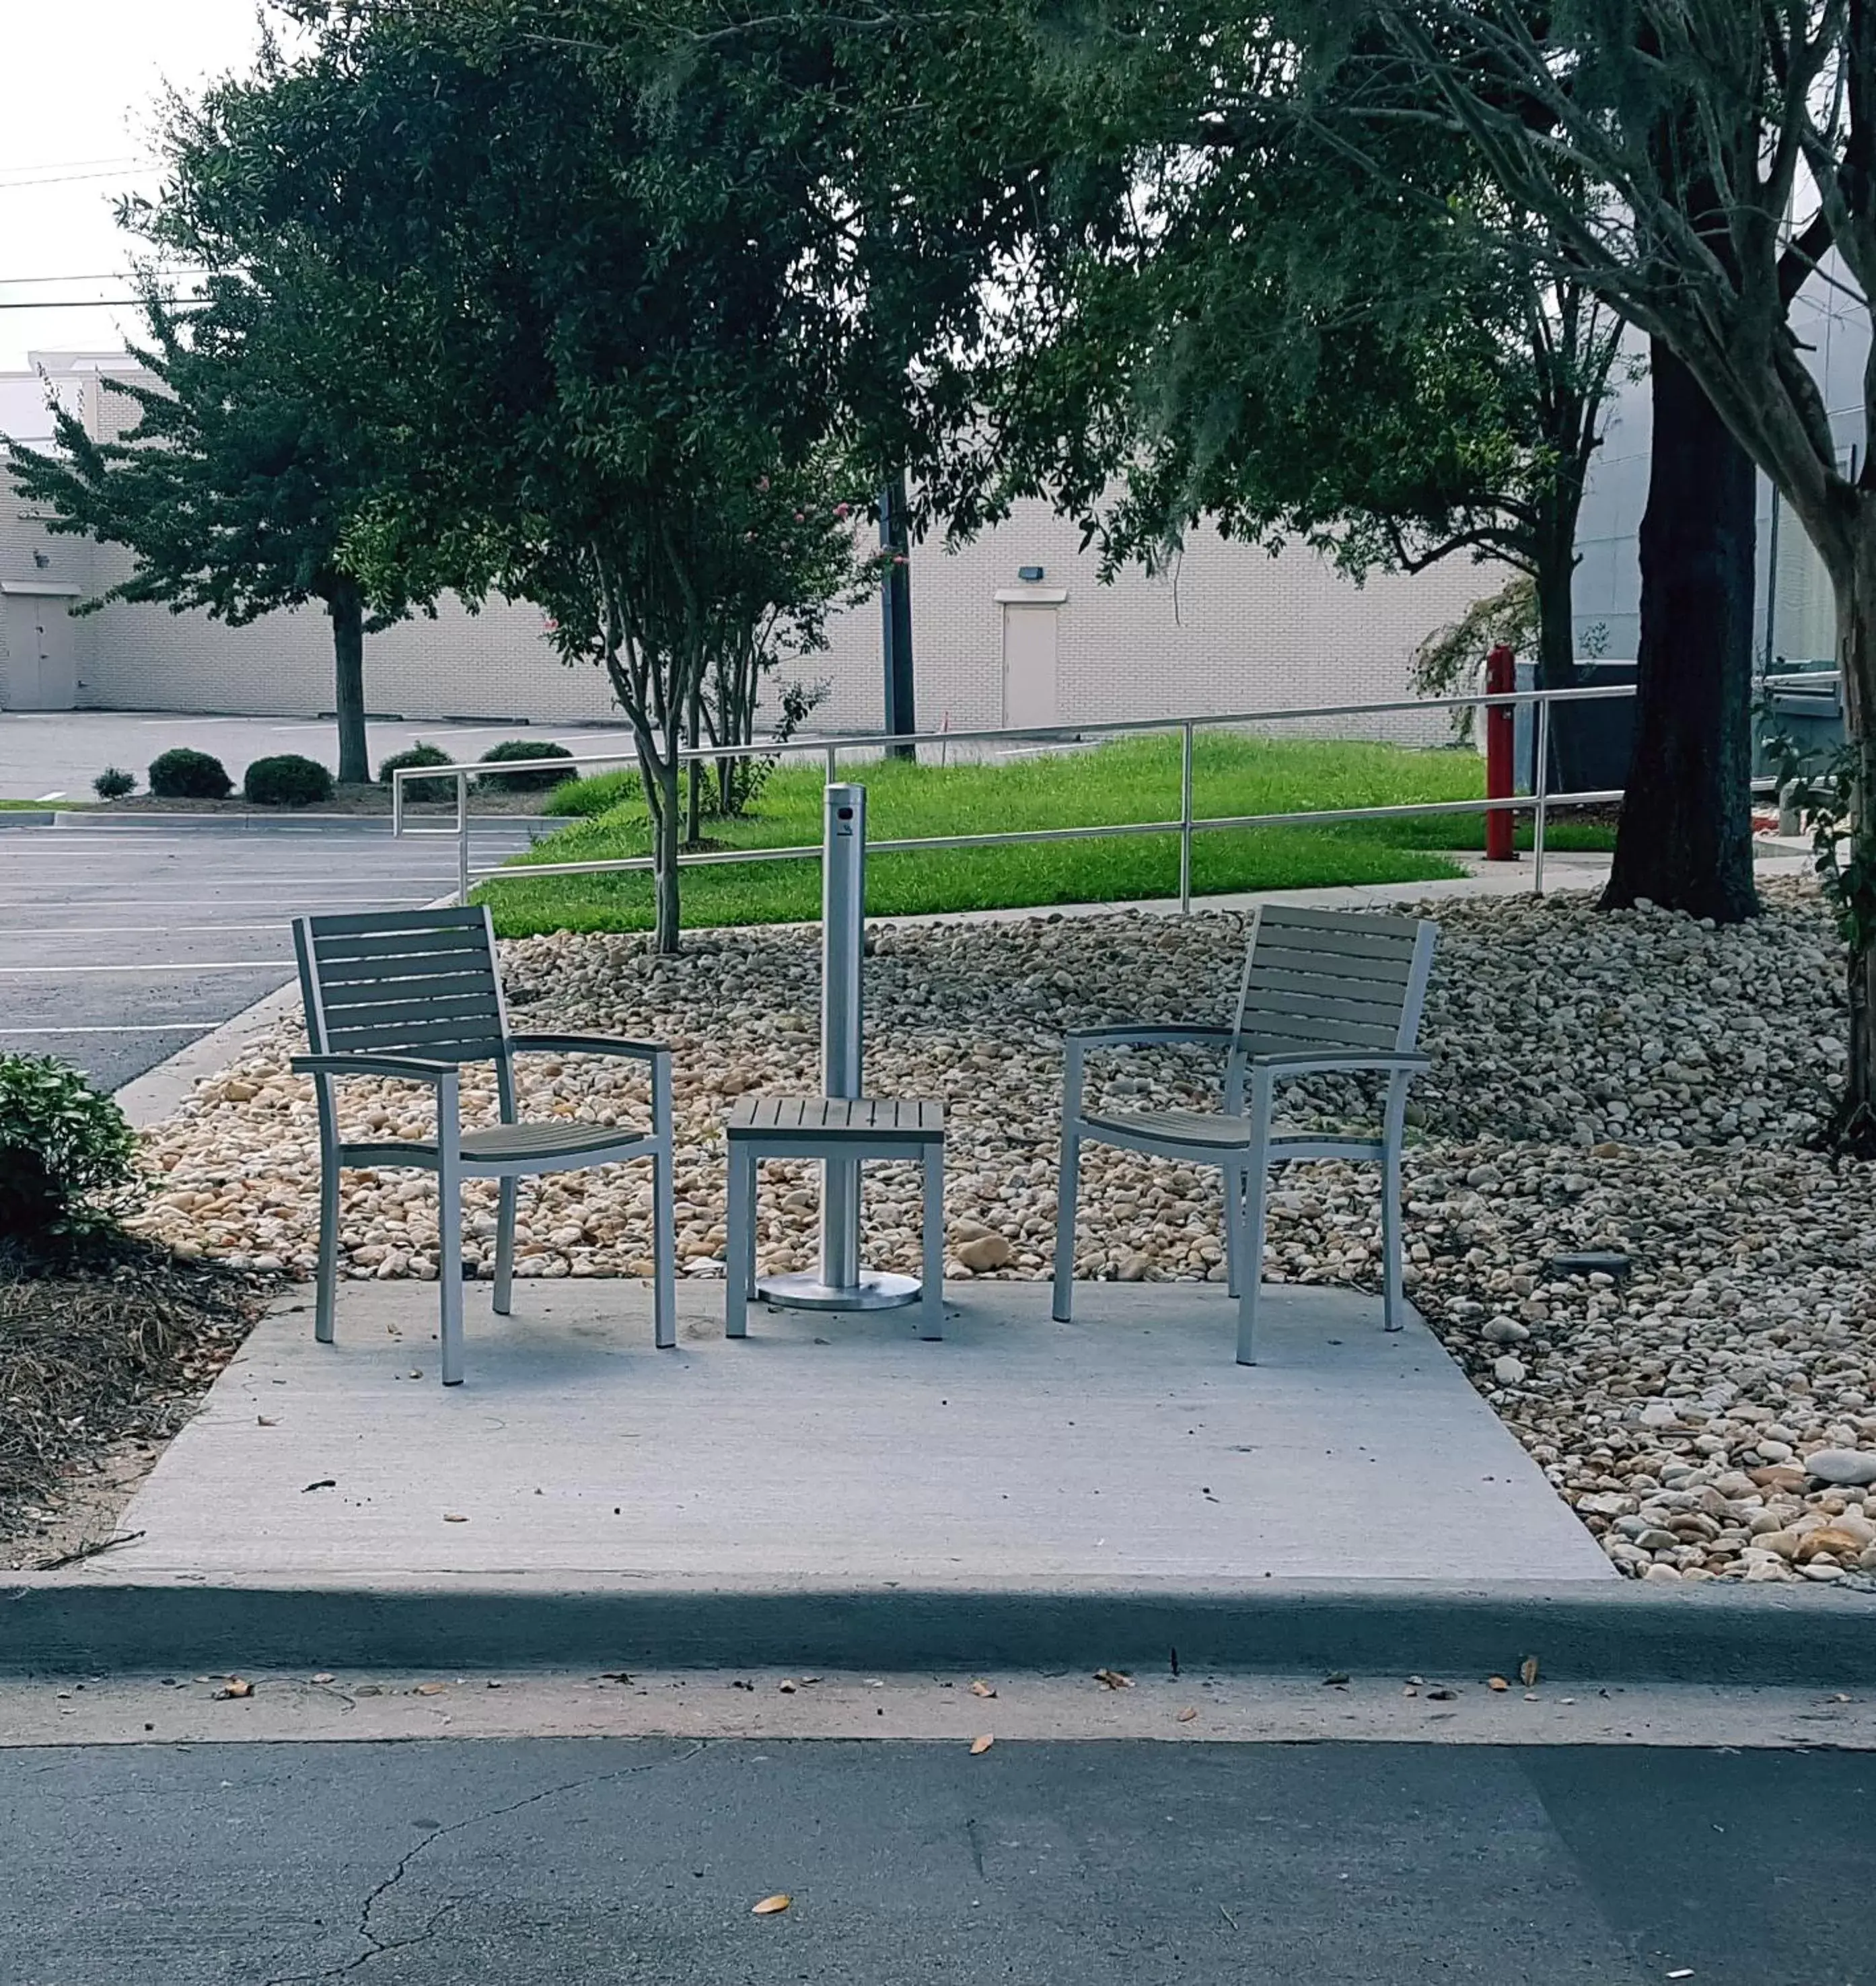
{"x": 1322, "y": 992}
{"x": 414, "y": 994}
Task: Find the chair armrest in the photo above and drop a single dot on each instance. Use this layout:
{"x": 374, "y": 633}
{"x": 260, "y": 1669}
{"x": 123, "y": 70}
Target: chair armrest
{"x": 1144, "y": 1034}
{"x": 1303, "y": 1062}
{"x": 598, "y": 1044}
{"x": 412, "y": 1068}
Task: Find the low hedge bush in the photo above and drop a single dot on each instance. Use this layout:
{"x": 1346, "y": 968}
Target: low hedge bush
{"x": 182, "y": 774}
{"x": 419, "y": 754}
{"x": 66, "y": 1154}
{"x": 286, "y": 780}
{"x": 511, "y": 750}
{"x": 113, "y": 783}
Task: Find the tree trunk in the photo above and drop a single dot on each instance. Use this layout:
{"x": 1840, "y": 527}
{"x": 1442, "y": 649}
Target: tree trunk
{"x": 1555, "y": 580}
{"x": 347, "y": 610}
{"x": 694, "y": 820}
{"x": 1856, "y": 654}
{"x": 665, "y": 800}
{"x": 1686, "y": 838}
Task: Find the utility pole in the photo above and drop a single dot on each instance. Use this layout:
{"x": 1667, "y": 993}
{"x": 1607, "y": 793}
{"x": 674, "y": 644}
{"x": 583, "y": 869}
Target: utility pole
{"x": 896, "y": 615}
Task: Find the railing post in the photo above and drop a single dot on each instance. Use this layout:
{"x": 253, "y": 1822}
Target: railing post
{"x": 833, "y": 765}
{"x": 1185, "y": 821}
{"x": 462, "y": 847}
{"x": 397, "y": 804}
{"x": 1542, "y": 783}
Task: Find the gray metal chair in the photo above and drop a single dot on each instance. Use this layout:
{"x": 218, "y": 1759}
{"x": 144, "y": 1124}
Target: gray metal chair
{"x": 414, "y": 994}
{"x": 1321, "y": 992}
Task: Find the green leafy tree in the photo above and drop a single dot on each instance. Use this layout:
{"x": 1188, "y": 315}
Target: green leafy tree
{"x": 245, "y": 466}
{"x": 1731, "y": 153}
{"x": 575, "y": 271}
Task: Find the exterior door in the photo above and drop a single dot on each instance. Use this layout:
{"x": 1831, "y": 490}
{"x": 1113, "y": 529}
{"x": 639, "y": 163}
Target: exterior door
{"x": 41, "y": 663}
{"x": 1029, "y": 664}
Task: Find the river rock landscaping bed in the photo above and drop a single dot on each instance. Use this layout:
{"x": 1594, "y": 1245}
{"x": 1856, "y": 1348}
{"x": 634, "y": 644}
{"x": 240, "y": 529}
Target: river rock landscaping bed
{"x": 1636, "y": 1084}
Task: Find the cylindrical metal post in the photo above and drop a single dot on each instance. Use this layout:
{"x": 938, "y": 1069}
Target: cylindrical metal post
{"x": 1500, "y": 680}
{"x": 463, "y": 847}
{"x": 1185, "y": 821}
{"x": 840, "y": 1285}
{"x": 1542, "y": 811}
{"x": 843, "y": 899}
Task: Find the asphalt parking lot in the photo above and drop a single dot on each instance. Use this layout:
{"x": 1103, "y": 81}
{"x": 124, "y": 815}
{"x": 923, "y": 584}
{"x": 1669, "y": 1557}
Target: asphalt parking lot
{"x": 120, "y": 945}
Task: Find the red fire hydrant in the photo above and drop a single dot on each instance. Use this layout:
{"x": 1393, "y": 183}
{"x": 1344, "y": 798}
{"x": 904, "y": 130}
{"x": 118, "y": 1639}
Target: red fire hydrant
{"x": 1500, "y": 680}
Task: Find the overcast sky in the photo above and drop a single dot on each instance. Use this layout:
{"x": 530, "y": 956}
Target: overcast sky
{"x": 82, "y": 79}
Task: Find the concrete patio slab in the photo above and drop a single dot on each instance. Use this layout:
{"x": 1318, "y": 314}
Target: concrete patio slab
{"x": 1127, "y": 1447}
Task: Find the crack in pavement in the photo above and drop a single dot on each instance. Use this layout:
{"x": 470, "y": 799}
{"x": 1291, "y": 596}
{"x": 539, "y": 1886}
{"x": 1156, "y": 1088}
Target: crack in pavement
{"x": 377, "y": 1946}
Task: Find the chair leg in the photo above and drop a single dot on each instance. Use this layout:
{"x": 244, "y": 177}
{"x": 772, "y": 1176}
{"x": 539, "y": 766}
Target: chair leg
{"x": 663, "y": 1251}
{"x": 1067, "y": 1186}
{"x": 1231, "y": 1185}
{"x": 931, "y": 1300}
{"x": 505, "y": 1204}
{"x": 739, "y": 1243}
{"x": 1393, "y": 1307}
{"x": 1251, "y": 1183}
{"x": 326, "y": 1291}
{"x": 450, "y": 1271}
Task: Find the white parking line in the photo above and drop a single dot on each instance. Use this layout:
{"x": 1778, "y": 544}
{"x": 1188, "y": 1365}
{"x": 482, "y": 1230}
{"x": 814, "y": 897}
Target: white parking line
{"x": 207, "y": 966}
{"x": 137, "y": 1028}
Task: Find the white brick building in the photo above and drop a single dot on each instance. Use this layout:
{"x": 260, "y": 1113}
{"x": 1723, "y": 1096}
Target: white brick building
{"x": 1233, "y": 630}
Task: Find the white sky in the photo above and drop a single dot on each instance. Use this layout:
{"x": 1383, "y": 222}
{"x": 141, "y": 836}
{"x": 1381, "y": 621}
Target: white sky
{"x": 82, "y": 79}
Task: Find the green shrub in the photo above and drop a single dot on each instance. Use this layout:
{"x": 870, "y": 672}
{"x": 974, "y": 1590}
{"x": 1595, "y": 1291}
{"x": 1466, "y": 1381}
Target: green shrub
{"x": 113, "y": 782}
{"x": 184, "y": 775}
{"x": 512, "y": 748}
{"x": 286, "y": 780}
{"x": 66, "y": 1153}
{"x": 601, "y": 794}
{"x": 419, "y": 754}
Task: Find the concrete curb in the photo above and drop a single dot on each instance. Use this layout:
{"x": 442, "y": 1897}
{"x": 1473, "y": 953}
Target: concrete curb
{"x": 287, "y": 822}
{"x": 1804, "y": 1636}
{"x": 26, "y": 817}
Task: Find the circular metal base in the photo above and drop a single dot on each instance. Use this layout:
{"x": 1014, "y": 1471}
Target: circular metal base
{"x": 871, "y": 1292}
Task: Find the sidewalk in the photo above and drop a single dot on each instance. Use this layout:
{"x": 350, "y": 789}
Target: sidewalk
{"x": 834, "y": 1493}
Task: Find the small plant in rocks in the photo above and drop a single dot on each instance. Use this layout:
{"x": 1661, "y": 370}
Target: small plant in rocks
{"x": 286, "y": 780}
{"x": 67, "y": 1166}
{"x": 419, "y": 754}
{"x": 184, "y": 774}
{"x": 113, "y": 783}
{"x": 513, "y": 749}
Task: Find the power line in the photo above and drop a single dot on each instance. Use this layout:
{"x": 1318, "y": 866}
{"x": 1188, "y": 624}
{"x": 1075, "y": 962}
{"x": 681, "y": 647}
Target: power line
{"x": 71, "y": 179}
{"x": 103, "y": 303}
{"x": 96, "y": 276}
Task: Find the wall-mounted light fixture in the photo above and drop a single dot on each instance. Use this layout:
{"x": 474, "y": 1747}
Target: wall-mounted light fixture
{"x": 1030, "y": 575}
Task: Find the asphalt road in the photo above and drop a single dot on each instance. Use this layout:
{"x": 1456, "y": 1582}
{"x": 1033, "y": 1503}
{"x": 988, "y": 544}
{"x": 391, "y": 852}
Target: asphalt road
{"x": 637, "y": 1863}
{"x": 120, "y": 945}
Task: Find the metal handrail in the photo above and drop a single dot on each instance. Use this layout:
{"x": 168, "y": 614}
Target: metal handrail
{"x": 1185, "y": 827}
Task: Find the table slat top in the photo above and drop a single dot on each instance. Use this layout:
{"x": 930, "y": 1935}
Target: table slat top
{"x": 837, "y": 1117}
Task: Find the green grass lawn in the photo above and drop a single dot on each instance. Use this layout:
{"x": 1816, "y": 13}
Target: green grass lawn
{"x": 1131, "y": 779}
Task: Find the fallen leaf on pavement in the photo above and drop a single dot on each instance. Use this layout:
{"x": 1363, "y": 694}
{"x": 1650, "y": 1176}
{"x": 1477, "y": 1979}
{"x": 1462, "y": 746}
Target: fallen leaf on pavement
{"x": 980, "y": 1745}
{"x": 771, "y": 1906}
{"x": 1113, "y": 1679}
{"x": 1528, "y": 1672}
{"x": 265, "y": 1421}
{"x": 429, "y": 1689}
{"x": 235, "y": 1686}
{"x": 1441, "y": 1695}
{"x": 324, "y": 1483}
{"x": 615, "y": 1675}
{"x": 1336, "y": 1680}
{"x": 454, "y": 1517}
{"x": 322, "y": 1677}
{"x": 981, "y": 1688}
{"x": 789, "y": 1688}
{"x": 1187, "y": 1714}
{"x": 1496, "y": 1682}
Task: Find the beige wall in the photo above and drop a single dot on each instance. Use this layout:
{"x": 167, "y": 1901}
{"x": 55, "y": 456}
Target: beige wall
{"x": 1233, "y": 630}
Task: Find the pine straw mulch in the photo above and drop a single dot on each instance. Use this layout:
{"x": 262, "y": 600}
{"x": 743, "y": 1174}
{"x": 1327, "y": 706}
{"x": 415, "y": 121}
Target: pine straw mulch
{"x": 103, "y": 1356}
